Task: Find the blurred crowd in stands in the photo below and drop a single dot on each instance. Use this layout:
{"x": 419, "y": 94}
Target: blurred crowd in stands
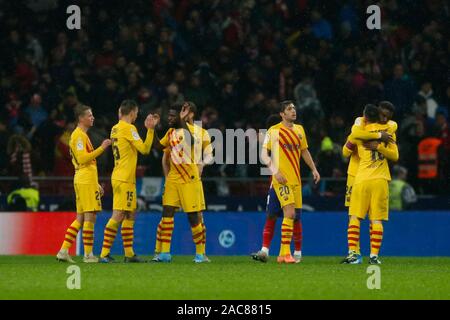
{"x": 235, "y": 59}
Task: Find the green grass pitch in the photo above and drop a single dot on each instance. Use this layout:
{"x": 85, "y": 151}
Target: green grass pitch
{"x": 237, "y": 277}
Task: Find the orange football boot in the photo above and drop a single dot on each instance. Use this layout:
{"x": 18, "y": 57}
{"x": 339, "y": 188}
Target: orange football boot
{"x": 286, "y": 259}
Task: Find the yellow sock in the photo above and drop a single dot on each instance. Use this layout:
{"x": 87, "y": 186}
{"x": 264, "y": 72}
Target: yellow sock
{"x": 158, "y": 238}
{"x": 166, "y": 234}
{"x": 287, "y": 229}
{"x": 88, "y": 237}
{"x": 353, "y": 235}
{"x": 109, "y": 236}
{"x": 197, "y": 236}
{"x": 127, "y": 237}
{"x": 71, "y": 235}
{"x": 376, "y": 236}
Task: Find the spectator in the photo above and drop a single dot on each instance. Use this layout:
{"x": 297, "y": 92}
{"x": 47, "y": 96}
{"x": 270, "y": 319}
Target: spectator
{"x": 25, "y": 197}
{"x": 401, "y": 194}
{"x": 197, "y": 93}
{"x": 174, "y": 97}
{"x": 443, "y": 133}
{"x": 36, "y": 113}
{"x": 34, "y": 46}
{"x": 4, "y": 136}
{"x": 329, "y": 164}
{"x": 67, "y": 106}
{"x": 321, "y": 28}
{"x": 426, "y": 91}
{"x": 400, "y": 91}
{"x": 19, "y": 151}
{"x": 307, "y": 102}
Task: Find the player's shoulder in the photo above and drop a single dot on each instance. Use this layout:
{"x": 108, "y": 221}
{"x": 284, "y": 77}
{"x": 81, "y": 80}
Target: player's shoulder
{"x": 393, "y": 126}
{"x": 77, "y": 133}
{"x": 299, "y": 127}
{"x": 169, "y": 131}
{"x": 359, "y": 121}
{"x": 275, "y": 127}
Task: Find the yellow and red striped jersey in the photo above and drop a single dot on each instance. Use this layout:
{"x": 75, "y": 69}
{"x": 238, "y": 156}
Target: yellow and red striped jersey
{"x": 184, "y": 156}
{"x": 83, "y": 157}
{"x": 285, "y": 145}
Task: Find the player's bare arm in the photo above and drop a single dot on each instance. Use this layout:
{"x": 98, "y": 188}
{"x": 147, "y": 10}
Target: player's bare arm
{"x": 165, "y": 162}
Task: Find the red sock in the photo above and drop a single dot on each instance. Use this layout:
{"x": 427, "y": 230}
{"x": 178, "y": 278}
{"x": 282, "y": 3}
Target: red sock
{"x": 298, "y": 235}
{"x": 268, "y": 232}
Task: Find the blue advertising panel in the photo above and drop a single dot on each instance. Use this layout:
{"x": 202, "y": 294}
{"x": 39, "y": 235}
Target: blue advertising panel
{"x": 324, "y": 233}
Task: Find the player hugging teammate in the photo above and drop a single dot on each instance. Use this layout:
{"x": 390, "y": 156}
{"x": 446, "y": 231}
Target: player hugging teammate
{"x": 370, "y": 145}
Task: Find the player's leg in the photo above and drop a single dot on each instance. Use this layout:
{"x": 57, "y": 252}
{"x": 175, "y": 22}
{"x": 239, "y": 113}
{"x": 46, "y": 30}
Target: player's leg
{"x": 165, "y": 235}
{"x": 267, "y": 235}
{"x": 128, "y": 191}
{"x": 298, "y": 228}
{"x": 69, "y": 238}
{"x": 202, "y": 222}
{"x": 379, "y": 211}
{"x": 353, "y": 237}
{"x": 348, "y": 195}
{"x": 74, "y": 228}
{"x": 298, "y": 235}
{"x": 197, "y": 236}
{"x": 192, "y": 199}
{"x": 88, "y": 237}
{"x": 376, "y": 237}
{"x": 286, "y": 196}
{"x": 109, "y": 235}
{"x": 359, "y": 205}
{"x": 127, "y": 231}
{"x": 287, "y": 230}
{"x": 124, "y": 202}
{"x": 158, "y": 243}
{"x": 92, "y": 204}
{"x": 170, "y": 202}
{"x": 273, "y": 210}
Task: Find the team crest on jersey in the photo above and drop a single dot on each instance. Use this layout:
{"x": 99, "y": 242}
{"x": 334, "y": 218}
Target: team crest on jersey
{"x": 135, "y": 135}
{"x": 79, "y": 144}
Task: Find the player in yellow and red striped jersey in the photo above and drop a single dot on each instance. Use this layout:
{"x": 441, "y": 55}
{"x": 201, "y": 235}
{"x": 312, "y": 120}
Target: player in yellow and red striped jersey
{"x": 273, "y": 212}
{"x": 370, "y": 190}
{"x": 87, "y": 189}
{"x": 126, "y": 144}
{"x": 287, "y": 143}
{"x": 188, "y": 148}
